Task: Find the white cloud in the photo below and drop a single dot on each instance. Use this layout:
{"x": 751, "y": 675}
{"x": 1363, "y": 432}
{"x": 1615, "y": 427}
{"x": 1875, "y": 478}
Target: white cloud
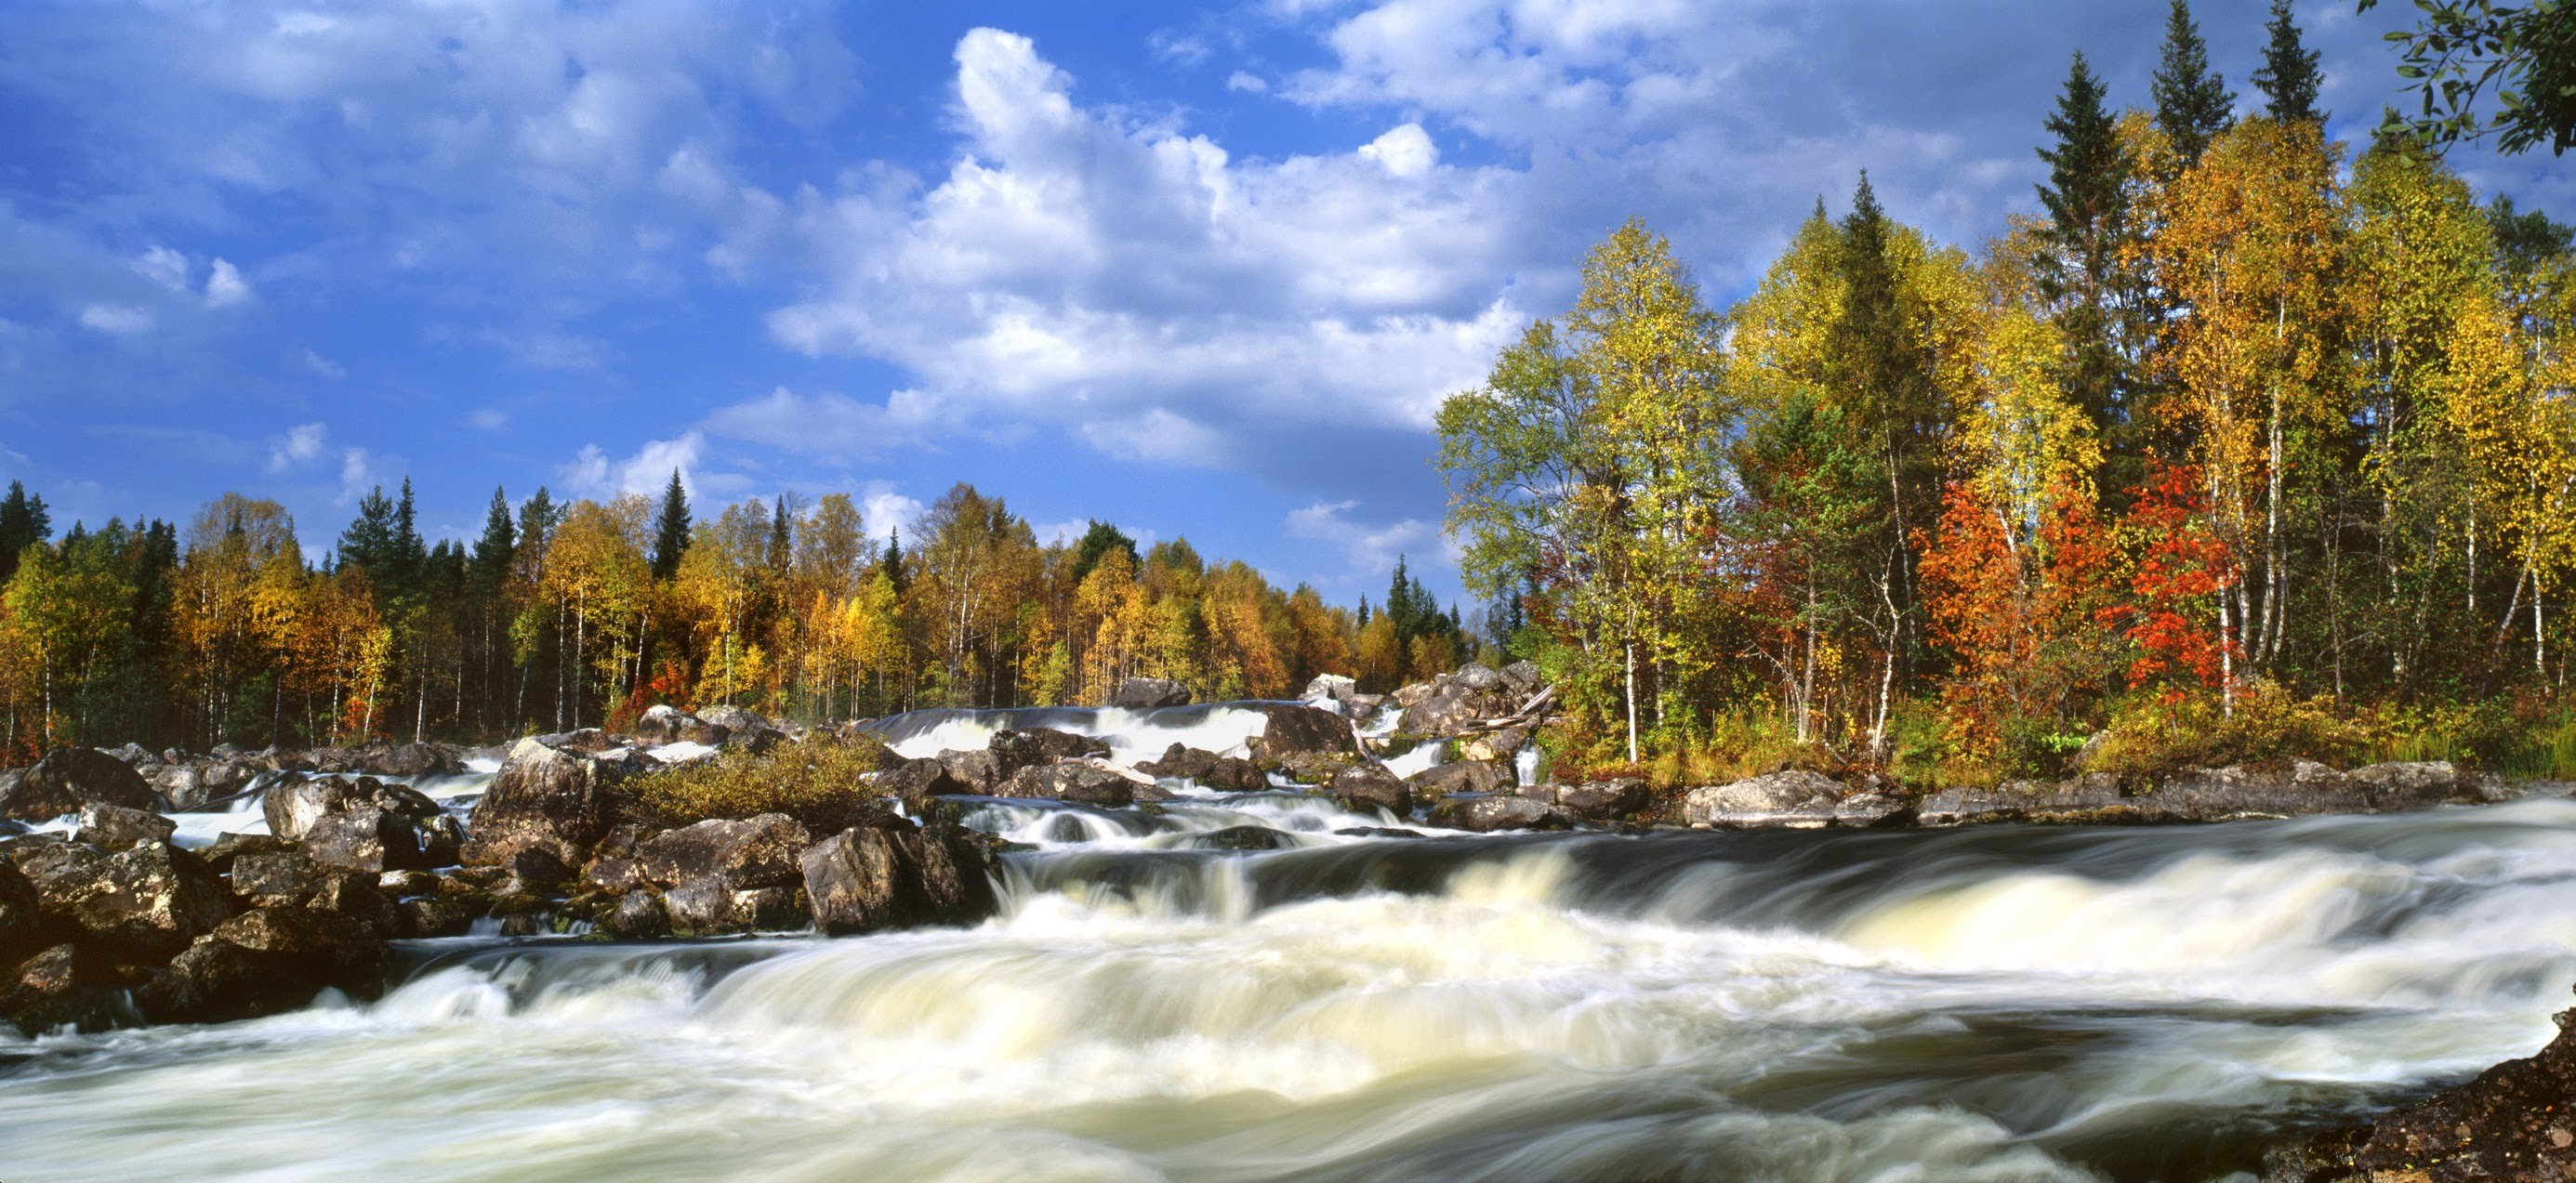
{"x": 882, "y": 508}
{"x": 1371, "y": 550}
{"x": 594, "y": 474}
{"x": 358, "y": 475}
{"x": 1246, "y": 83}
{"x": 1064, "y": 533}
{"x": 488, "y": 419}
{"x": 164, "y": 266}
{"x": 301, "y": 445}
{"x": 115, "y": 319}
{"x": 225, "y": 286}
{"x": 320, "y": 365}
{"x": 1405, "y": 151}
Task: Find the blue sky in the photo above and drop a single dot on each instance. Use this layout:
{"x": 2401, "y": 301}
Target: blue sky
{"x": 1199, "y": 271}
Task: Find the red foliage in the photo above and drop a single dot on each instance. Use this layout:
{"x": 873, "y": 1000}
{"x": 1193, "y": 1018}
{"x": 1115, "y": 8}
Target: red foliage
{"x": 2182, "y": 569}
{"x": 2016, "y": 617}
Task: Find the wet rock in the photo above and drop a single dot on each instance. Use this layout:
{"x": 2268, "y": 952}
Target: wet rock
{"x": 1366, "y": 788}
{"x": 1793, "y": 799}
{"x": 1463, "y": 776}
{"x": 114, "y": 827}
{"x": 638, "y": 916}
{"x": 2396, "y": 788}
{"x": 334, "y": 948}
{"x": 1335, "y": 688}
{"x": 194, "y": 784}
{"x": 216, "y": 981}
{"x": 1226, "y": 773}
{"x": 1501, "y": 811}
{"x": 703, "y": 907}
{"x": 433, "y": 916}
{"x": 1018, "y": 749}
{"x": 547, "y": 796}
{"x": 978, "y": 771}
{"x": 2092, "y": 799}
{"x": 1316, "y": 768}
{"x": 1298, "y": 730}
{"x": 743, "y": 854}
{"x": 1139, "y": 694}
{"x": 1601, "y": 800}
{"x": 1377, "y": 832}
{"x": 1080, "y": 782}
{"x": 870, "y": 878}
{"x": 1241, "y": 838}
{"x": 2517, "y": 1120}
{"x": 134, "y": 756}
{"x": 292, "y": 805}
{"x": 68, "y": 778}
{"x": 59, "y": 987}
{"x": 146, "y": 903}
{"x": 366, "y": 838}
{"x": 22, "y": 921}
{"x": 2304, "y": 789}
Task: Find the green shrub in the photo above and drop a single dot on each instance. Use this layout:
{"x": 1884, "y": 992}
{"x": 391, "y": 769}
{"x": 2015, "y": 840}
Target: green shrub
{"x": 816, "y": 781}
{"x": 2151, "y": 736}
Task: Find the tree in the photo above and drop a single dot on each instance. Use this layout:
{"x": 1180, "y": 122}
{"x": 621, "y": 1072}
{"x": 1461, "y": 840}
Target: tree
{"x": 2460, "y": 49}
{"x": 671, "y": 530}
{"x": 1099, "y": 540}
{"x": 2288, "y": 77}
{"x": 2087, "y": 202}
{"x": 369, "y": 543}
{"x": 23, "y": 523}
{"x": 2193, "y": 103}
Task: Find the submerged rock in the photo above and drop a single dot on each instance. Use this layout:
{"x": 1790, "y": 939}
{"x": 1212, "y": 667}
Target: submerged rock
{"x": 1241, "y": 838}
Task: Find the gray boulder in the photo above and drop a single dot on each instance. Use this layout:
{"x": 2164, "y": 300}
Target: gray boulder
{"x": 2396, "y": 788}
{"x": 639, "y": 915}
{"x": 1297, "y": 730}
{"x": 216, "y": 981}
{"x": 978, "y": 771}
{"x": 1600, "y": 800}
{"x": 742, "y": 854}
{"x": 1794, "y": 799}
{"x": 1500, "y": 811}
{"x": 22, "y": 922}
{"x": 114, "y": 827}
{"x": 147, "y": 903}
{"x": 1367, "y": 788}
{"x": 1463, "y": 776}
{"x": 546, "y": 796}
{"x": 1015, "y": 750}
{"x": 867, "y": 879}
{"x": 1080, "y": 782}
{"x": 68, "y": 778}
{"x": 2092, "y": 799}
{"x": 366, "y": 838}
{"x": 1138, "y": 694}
{"x": 1228, "y": 773}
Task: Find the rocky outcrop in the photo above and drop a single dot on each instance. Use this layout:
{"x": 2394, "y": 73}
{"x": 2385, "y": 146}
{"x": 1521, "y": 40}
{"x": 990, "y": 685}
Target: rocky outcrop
{"x": 2297, "y": 788}
{"x": 1793, "y": 799}
{"x": 1462, "y": 776}
{"x": 871, "y": 878}
{"x": 2517, "y": 1120}
{"x": 1295, "y": 730}
{"x": 1600, "y": 801}
{"x": 1493, "y": 812}
{"x": 146, "y": 903}
{"x": 1139, "y": 694}
{"x": 563, "y": 800}
{"x": 1231, "y": 774}
{"x": 740, "y": 854}
{"x": 68, "y": 778}
{"x": 114, "y": 827}
{"x": 1081, "y": 782}
{"x": 1368, "y": 788}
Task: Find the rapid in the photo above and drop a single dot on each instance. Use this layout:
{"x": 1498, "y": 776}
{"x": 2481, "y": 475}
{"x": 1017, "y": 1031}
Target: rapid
{"x": 1378, "y": 999}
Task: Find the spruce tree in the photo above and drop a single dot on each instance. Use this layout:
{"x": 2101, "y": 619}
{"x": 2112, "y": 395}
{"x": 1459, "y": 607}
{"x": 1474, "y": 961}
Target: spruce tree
{"x": 368, "y": 542}
{"x": 492, "y": 551}
{"x": 2289, "y": 75}
{"x": 892, "y": 561}
{"x": 671, "y": 530}
{"x": 2087, "y": 208}
{"x": 2193, "y": 103}
{"x": 782, "y": 538}
{"x": 1097, "y": 542}
{"x": 23, "y": 523}
{"x": 409, "y": 559}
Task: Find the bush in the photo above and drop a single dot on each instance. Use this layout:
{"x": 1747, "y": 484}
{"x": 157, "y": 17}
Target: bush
{"x": 2148, "y": 736}
{"x": 816, "y": 781}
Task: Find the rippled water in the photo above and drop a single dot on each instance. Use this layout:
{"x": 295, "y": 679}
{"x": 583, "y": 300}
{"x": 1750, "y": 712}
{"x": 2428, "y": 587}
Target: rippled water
{"x": 1998, "y": 1003}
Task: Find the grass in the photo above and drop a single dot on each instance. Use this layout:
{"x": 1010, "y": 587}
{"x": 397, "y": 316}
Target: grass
{"x": 816, "y": 781}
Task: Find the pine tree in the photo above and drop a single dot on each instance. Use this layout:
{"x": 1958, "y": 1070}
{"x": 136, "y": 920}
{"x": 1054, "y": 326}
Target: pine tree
{"x": 1098, "y": 541}
{"x": 23, "y": 523}
{"x": 782, "y": 539}
{"x": 2289, "y": 75}
{"x": 409, "y": 559}
{"x": 492, "y": 551}
{"x": 892, "y": 561}
{"x": 369, "y": 542}
{"x": 671, "y": 530}
{"x": 2193, "y": 103}
{"x": 2087, "y": 210}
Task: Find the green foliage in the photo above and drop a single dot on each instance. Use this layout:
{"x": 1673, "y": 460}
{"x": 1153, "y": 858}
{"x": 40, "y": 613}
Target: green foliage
{"x": 2192, "y": 100}
{"x": 2149, "y": 736}
{"x": 2461, "y": 48}
{"x": 816, "y": 781}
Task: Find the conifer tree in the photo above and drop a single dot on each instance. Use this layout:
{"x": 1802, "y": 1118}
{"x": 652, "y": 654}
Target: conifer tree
{"x": 671, "y": 530}
{"x": 492, "y": 551}
{"x": 2193, "y": 103}
{"x": 2288, "y": 78}
{"x": 2087, "y": 208}
{"x": 23, "y": 523}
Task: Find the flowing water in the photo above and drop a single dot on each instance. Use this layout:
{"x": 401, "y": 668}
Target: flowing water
{"x": 2000, "y": 1003}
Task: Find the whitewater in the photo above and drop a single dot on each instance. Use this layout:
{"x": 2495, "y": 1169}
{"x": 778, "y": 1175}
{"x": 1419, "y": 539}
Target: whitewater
{"x": 1379, "y": 999}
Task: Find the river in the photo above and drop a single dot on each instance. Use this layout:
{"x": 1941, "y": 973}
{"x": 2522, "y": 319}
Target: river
{"x": 1997, "y": 1003}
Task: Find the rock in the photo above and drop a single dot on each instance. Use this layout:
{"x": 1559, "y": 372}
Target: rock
{"x": 1494, "y": 745}
{"x": 914, "y": 782}
{"x": 133, "y": 755}
{"x": 1602, "y": 800}
{"x": 1457, "y": 704}
{"x": 432, "y": 916}
{"x": 216, "y": 981}
{"x": 1229, "y": 773}
{"x": 1080, "y": 782}
{"x": 1142, "y": 694}
{"x": 220, "y": 854}
{"x": 1793, "y": 799}
{"x": 870, "y": 878}
{"x": 398, "y": 885}
{"x": 2517, "y": 1120}
{"x": 1366, "y": 788}
{"x": 366, "y": 838}
{"x": 22, "y": 921}
{"x": 59, "y": 987}
{"x": 2305, "y": 789}
{"x": 192, "y": 784}
{"x": 332, "y": 947}
{"x": 662, "y": 723}
{"x": 1298, "y": 730}
{"x": 352, "y": 896}
{"x": 412, "y": 761}
{"x": 638, "y": 916}
{"x": 68, "y": 778}
{"x": 442, "y": 838}
{"x": 114, "y": 827}
{"x": 740, "y": 729}
{"x": 1522, "y": 676}
{"x": 1015, "y": 750}
{"x": 2092, "y": 799}
{"x": 146, "y": 903}
{"x": 1334, "y": 688}
{"x": 534, "y": 870}
{"x": 772, "y": 909}
{"x": 743, "y": 854}
{"x": 2396, "y": 788}
{"x": 703, "y": 907}
{"x": 293, "y": 804}
{"x": 546, "y": 796}
{"x": 1501, "y": 811}
{"x": 1463, "y": 776}
{"x": 1241, "y": 838}
{"x": 978, "y": 772}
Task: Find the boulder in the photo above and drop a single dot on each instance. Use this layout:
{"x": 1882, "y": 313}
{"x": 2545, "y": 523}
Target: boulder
{"x": 2396, "y": 788}
{"x": 441, "y": 839}
{"x": 743, "y": 854}
{"x": 1228, "y": 773}
{"x": 62, "y": 986}
{"x": 114, "y": 827}
{"x": 772, "y": 909}
{"x": 1297, "y": 730}
{"x": 563, "y": 800}
{"x": 1494, "y": 745}
{"x": 2305, "y": 788}
{"x": 1456, "y": 704}
{"x": 1793, "y": 799}
{"x": 216, "y": 981}
{"x": 534, "y": 870}
{"x": 1601, "y": 800}
{"x": 866, "y": 879}
{"x": 914, "y": 782}
{"x": 1500, "y": 811}
{"x": 134, "y": 755}
{"x": 663, "y": 723}
{"x": 1522, "y": 676}
{"x": 1014, "y": 750}
{"x": 1240, "y": 838}
{"x": 292, "y": 804}
{"x": 1330, "y": 688}
{"x": 740, "y": 728}
{"x": 432, "y": 916}
{"x": 638, "y": 916}
{"x": 335, "y": 948}
{"x": 412, "y": 761}
{"x": 68, "y": 778}
{"x": 145, "y": 903}
{"x": 704, "y": 907}
{"x": 195, "y": 784}
{"x": 220, "y": 854}
{"x": 1142, "y": 694}
{"x": 1367, "y": 788}
{"x": 366, "y": 838}
{"x": 978, "y": 772}
{"x": 22, "y": 921}
{"x": 1081, "y": 782}
{"x": 1463, "y": 776}
{"x": 2091, "y": 799}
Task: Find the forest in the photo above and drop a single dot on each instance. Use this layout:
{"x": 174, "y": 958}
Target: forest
{"x": 2242, "y": 447}
{"x": 582, "y": 613}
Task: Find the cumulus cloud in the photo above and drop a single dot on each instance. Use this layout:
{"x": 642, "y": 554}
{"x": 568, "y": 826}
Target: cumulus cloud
{"x": 358, "y": 475}
{"x": 164, "y": 266}
{"x": 115, "y": 319}
{"x": 882, "y": 508}
{"x": 1370, "y": 549}
{"x": 1246, "y": 83}
{"x": 301, "y": 445}
{"x": 594, "y": 473}
{"x": 225, "y": 286}
{"x": 321, "y": 366}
